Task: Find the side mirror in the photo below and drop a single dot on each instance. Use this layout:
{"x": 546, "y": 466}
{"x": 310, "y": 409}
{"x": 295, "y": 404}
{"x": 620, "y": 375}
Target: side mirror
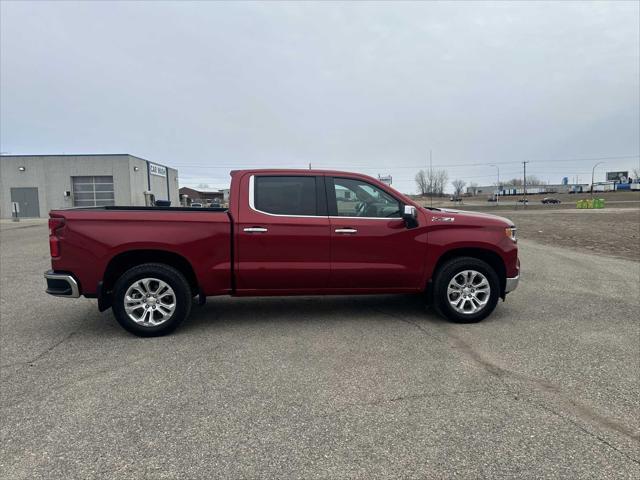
{"x": 410, "y": 216}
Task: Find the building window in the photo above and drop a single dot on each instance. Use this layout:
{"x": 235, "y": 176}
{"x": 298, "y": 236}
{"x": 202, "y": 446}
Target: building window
{"x": 92, "y": 191}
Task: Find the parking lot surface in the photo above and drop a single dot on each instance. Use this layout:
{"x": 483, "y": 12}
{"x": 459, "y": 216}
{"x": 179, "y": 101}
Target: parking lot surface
{"x": 331, "y": 387}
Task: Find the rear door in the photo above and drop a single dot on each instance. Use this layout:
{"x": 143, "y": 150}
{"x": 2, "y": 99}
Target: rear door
{"x": 371, "y": 246}
{"x": 283, "y": 234}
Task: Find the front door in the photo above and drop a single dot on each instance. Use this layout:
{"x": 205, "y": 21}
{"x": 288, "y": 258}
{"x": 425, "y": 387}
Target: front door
{"x": 27, "y": 199}
{"x": 371, "y": 248}
{"x": 283, "y": 237}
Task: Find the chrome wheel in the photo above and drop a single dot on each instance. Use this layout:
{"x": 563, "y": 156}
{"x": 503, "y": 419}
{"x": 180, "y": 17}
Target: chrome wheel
{"x": 149, "y": 302}
{"x": 468, "y": 292}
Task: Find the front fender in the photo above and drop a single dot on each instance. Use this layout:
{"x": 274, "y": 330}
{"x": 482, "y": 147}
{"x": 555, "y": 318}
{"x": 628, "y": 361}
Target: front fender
{"x": 447, "y": 239}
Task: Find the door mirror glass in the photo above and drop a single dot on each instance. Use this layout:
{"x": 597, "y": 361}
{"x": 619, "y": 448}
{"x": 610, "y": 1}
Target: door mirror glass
{"x": 410, "y": 216}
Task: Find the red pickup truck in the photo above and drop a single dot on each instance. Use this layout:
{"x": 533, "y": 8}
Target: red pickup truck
{"x": 286, "y": 232}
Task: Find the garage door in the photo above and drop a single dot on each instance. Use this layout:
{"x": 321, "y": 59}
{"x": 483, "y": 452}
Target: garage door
{"x": 27, "y": 199}
{"x": 92, "y": 191}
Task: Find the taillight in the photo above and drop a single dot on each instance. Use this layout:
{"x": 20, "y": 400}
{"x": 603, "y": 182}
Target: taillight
{"x": 55, "y": 223}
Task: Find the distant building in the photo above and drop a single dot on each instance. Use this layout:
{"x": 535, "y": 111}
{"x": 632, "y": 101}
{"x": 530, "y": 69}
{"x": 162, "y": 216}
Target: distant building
{"x": 40, "y": 183}
{"x": 506, "y": 190}
{"x": 203, "y": 196}
{"x": 225, "y": 194}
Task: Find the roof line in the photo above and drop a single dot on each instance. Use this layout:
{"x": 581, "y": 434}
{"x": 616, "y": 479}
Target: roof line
{"x": 87, "y": 155}
{"x": 70, "y": 155}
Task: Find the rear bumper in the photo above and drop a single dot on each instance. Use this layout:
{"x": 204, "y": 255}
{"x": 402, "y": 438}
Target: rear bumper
{"x": 512, "y": 284}
{"x": 61, "y": 284}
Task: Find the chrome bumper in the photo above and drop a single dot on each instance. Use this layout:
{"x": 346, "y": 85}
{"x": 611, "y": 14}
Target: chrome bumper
{"x": 61, "y": 285}
{"x": 512, "y": 284}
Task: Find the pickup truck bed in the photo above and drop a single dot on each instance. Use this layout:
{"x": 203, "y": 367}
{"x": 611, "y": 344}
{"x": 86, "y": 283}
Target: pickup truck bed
{"x": 100, "y": 243}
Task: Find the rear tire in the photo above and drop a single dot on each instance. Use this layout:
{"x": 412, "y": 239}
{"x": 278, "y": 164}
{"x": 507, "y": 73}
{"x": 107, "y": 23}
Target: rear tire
{"x": 465, "y": 290}
{"x": 151, "y": 299}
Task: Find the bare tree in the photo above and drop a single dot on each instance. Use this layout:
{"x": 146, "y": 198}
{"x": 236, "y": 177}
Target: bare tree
{"x": 422, "y": 182}
{"x": 458, "y": 187}
{"x": 531, "y": 180}
{"x": 473, "y": 186}
{"x": 514, "y": 182}
{"x": 431, "y": 182}
{"x": 441, "y": 177}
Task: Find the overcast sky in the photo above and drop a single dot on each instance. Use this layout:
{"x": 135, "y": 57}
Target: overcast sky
{"x": 368, "y": 87}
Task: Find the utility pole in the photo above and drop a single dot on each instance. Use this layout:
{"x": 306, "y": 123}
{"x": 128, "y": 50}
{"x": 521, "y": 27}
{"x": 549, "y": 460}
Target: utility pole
{"x": 431, "y": 176}
{"x": 524, "y": 181}
{"x": 497, "y": 185}
{"x": 593, "y": 171}
{"x": 309, "y": 165}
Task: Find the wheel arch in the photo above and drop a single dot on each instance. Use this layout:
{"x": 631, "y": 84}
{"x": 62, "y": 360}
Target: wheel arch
{"x": 493, "y": 259}
{"x": 123, "y": 261}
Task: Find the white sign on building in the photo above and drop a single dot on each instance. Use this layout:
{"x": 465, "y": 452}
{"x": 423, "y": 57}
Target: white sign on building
{"x": 157, "y": 170}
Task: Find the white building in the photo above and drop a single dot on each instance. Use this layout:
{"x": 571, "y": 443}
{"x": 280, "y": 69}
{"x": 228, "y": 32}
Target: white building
{"x": 40, "y": 183}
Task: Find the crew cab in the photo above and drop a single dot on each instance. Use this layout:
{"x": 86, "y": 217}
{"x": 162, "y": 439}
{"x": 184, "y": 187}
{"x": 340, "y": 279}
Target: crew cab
{"x": 286, "y": 232}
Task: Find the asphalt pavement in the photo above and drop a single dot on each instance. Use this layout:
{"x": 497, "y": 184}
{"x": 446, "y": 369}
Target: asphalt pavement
{"x": 325, "y": 387}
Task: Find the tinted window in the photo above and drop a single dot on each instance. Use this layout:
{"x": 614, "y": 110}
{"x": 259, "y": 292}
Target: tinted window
{"x": 285, "y": 195}
{"x": 355, "y": 198}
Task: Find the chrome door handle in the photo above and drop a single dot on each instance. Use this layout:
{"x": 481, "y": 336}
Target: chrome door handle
{"x": 255, "y": 229}
{"x": 346, "y": 230}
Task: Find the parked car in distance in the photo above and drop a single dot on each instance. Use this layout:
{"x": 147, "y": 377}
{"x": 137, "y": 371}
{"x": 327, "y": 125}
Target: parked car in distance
{"x": 523, "y": 200}
{"x": 286, "y": 232}
{"x": 455, "y": 199}
{"x": 492, "y": 198}
{"x": 550, "y": 200}
{"x": 196, "y": 205}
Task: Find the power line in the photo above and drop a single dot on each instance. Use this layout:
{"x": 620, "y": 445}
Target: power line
{"x": 482, "y": 164}
{"x": 400, "y": 177}
{"x": 219, "y": 177}
{"x": 504, "y": 174}
{"x": 449, "y": 165}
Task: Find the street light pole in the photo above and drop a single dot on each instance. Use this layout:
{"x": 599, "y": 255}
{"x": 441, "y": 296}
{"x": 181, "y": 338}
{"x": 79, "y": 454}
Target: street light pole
{"x": 498, "y": 185}
{"x": 524, "y": 181}
{"x": 431, "y": 176}
{"x": 593, "y": 171}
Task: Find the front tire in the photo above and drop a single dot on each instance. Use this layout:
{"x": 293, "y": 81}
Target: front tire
{"x": 466, "y": 290}
{"x": 151, "y": 299}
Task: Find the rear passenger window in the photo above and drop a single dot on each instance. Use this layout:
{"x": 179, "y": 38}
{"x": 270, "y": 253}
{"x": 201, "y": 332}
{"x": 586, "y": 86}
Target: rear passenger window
{"x": 285, "y": 195}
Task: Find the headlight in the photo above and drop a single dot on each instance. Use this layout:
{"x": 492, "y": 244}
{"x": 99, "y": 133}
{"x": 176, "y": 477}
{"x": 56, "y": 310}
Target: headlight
{"x": 511, "y": 232}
